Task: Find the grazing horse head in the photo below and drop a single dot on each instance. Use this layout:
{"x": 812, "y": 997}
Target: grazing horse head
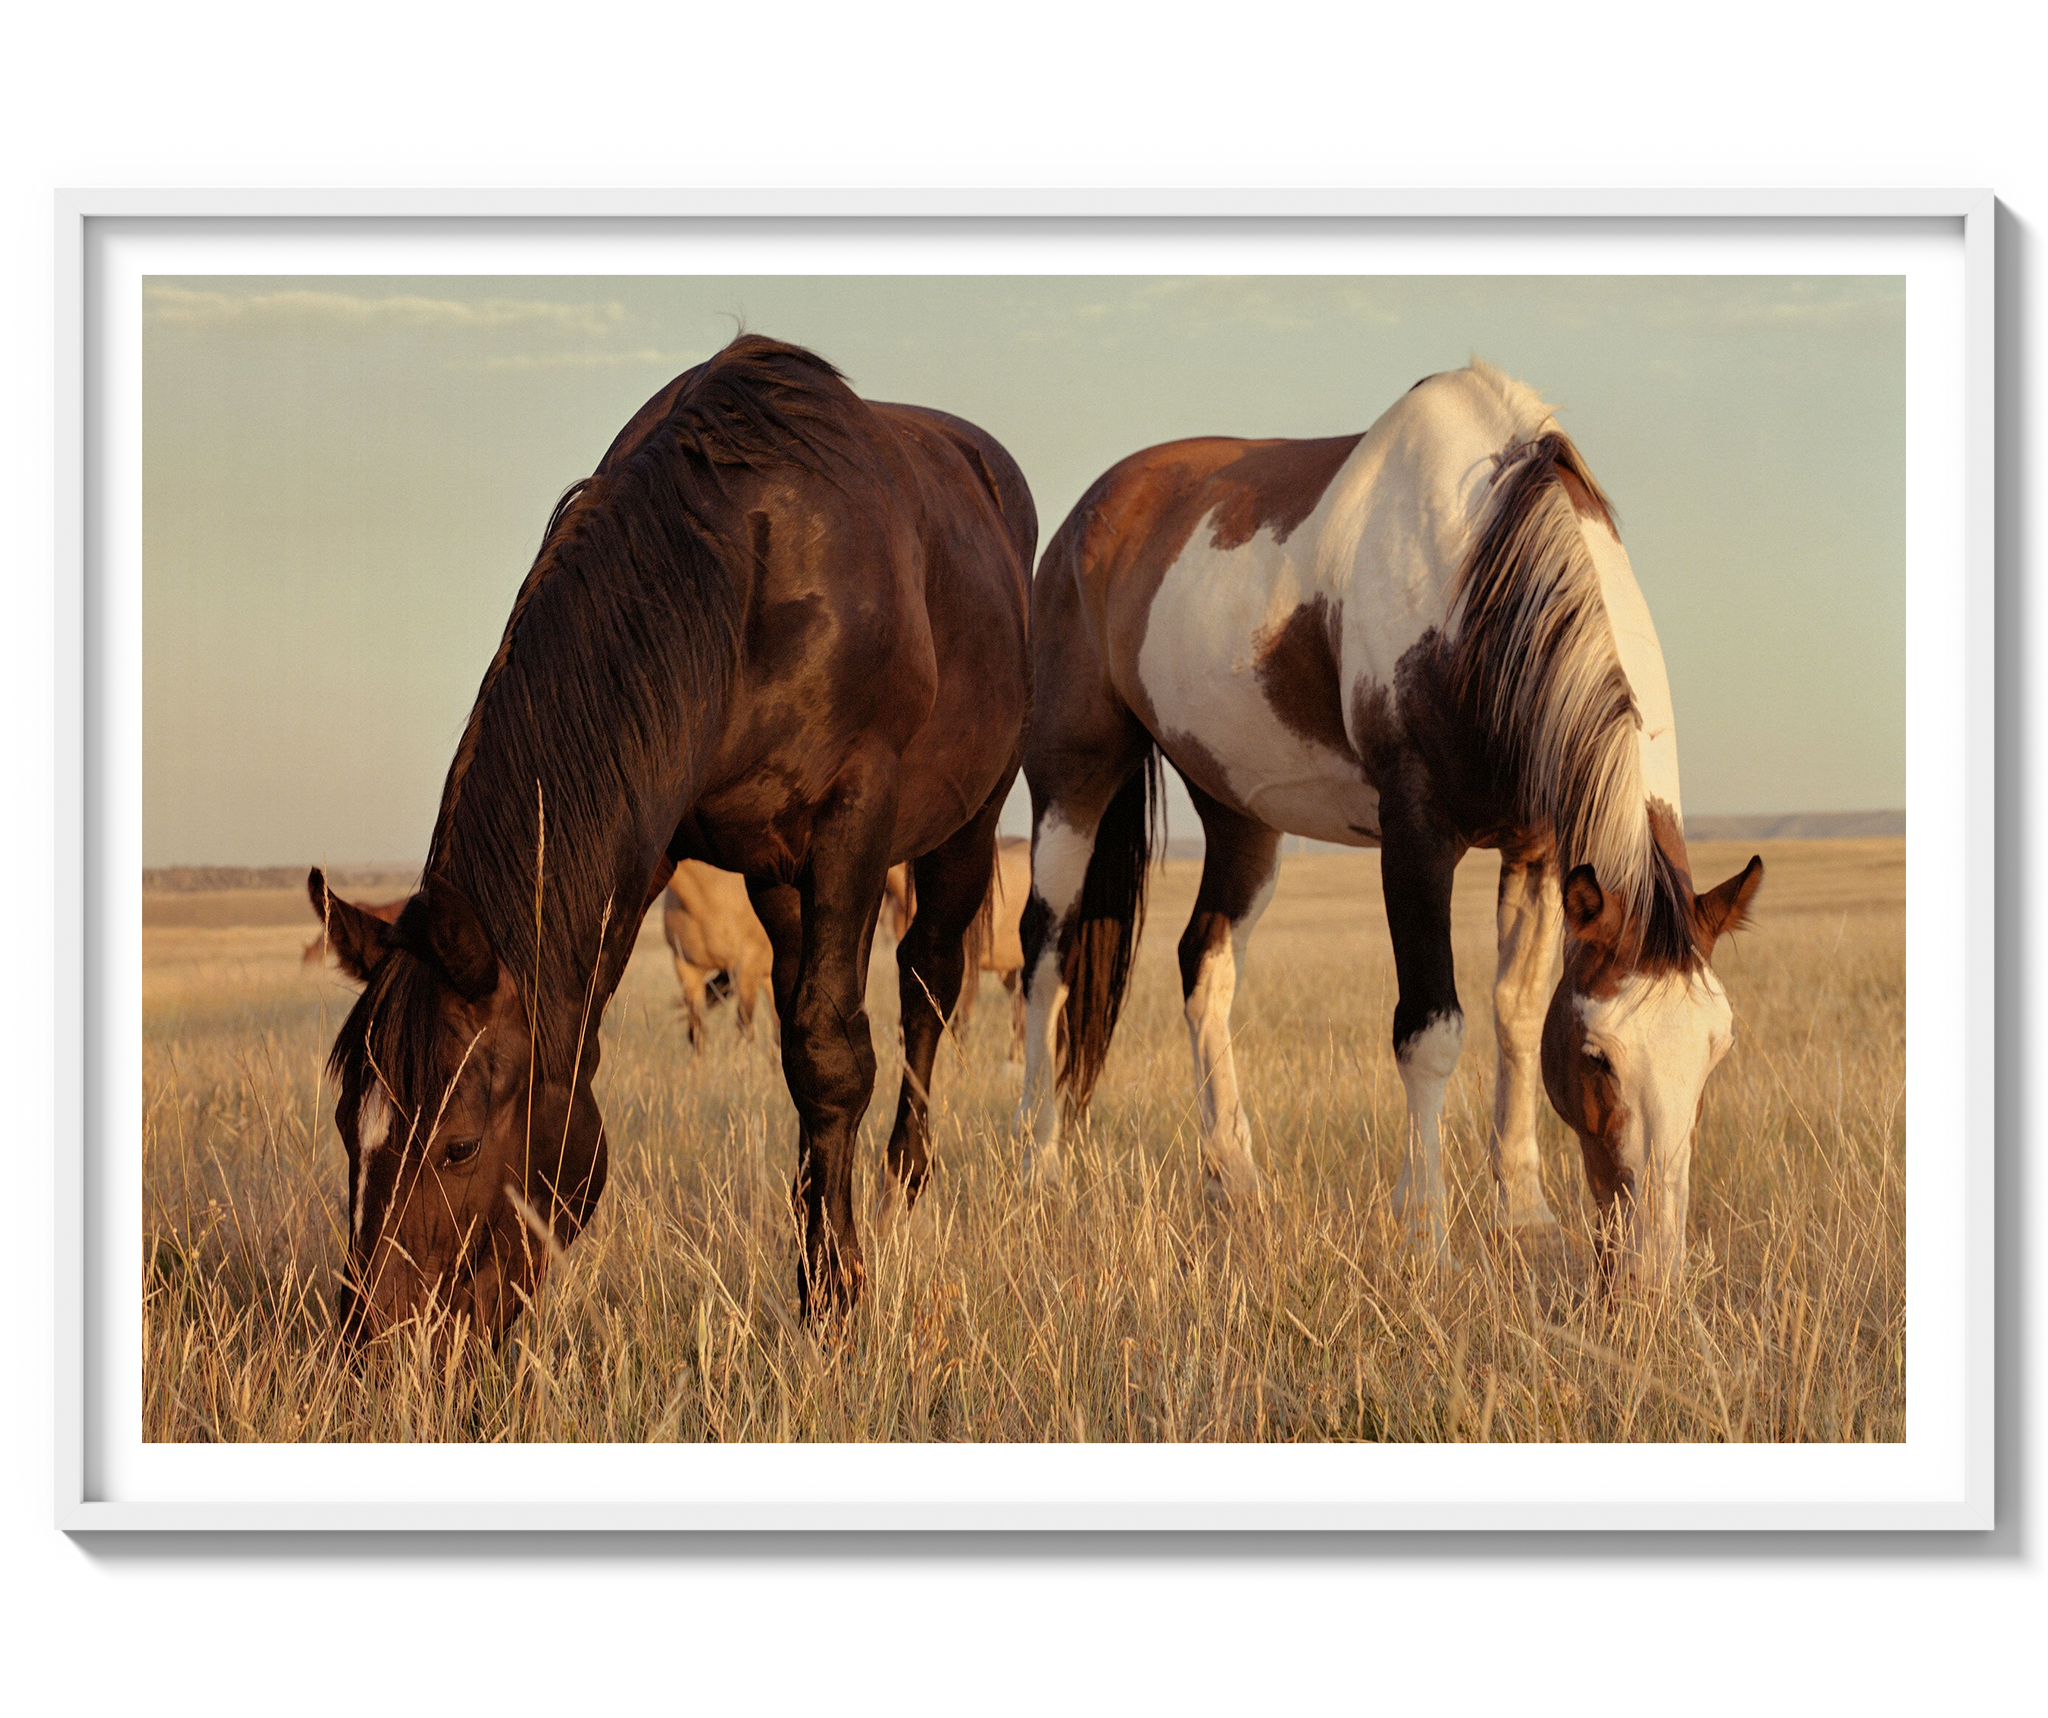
{"x": 468, "y": 1160}
{"x": 1636, "y": 1025}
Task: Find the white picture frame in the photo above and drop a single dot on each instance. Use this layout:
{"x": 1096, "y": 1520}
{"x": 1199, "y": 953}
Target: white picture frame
{"x": 107, "y": 238}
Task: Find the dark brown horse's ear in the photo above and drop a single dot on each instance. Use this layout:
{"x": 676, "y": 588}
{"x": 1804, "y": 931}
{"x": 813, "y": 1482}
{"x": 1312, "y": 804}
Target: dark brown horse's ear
{"x": 1590, "y": 913}
{"x": 440, "y": 924}
{"x": 360, "y": 940}
{"x": 1725, "y": 907}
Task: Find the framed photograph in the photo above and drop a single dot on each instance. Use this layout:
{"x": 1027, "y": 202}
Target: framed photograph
{"x": 670, "y": 797}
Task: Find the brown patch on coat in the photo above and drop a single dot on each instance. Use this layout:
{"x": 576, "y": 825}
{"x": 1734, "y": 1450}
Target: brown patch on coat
{"x": 1669, "y": 836}
{"x": 1275, "y": 485}
{"x": 1296, "y": 663}
{"x": 1114, "y": 549}
{"x": 1586, "y": 1096}
{"x": 1200, "y": 768}
{"x": 1377, "y": 724}
{"x": 1239, "y": 857}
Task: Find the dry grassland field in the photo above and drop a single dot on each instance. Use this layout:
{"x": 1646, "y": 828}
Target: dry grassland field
{"x": 1118, "y": 1307}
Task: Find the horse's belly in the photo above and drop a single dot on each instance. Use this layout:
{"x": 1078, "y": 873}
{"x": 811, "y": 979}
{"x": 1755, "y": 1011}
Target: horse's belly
{"x": 1256, "y": 725}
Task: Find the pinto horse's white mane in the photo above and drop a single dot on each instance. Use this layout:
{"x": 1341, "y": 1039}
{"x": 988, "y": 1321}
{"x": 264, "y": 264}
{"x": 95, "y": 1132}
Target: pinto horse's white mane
{"x": 1537, "y": 654}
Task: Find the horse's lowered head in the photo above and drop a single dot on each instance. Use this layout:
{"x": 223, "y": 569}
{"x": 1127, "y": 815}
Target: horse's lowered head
{"x": 1637, "y": 1023}
{"x": 468, "y": 1159}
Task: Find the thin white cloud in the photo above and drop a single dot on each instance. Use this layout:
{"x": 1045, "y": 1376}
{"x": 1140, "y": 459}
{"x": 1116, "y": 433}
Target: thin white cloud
{"x": 585, "y": 360}
{"x": 1736, "y": 305}
{"x": 195, "y": 307}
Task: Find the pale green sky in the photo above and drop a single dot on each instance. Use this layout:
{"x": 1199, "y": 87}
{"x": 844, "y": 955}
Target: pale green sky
{"x": 345, "y": 480}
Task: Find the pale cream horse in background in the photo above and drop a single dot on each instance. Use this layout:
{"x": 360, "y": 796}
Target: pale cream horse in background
{"x": 712, "y": 929}
{"x": 1002, "y": 946}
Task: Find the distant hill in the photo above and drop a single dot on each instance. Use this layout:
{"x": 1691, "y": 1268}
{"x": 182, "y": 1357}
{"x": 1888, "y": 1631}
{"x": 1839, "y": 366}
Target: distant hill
{"x": 1752, "y": 826}
{"x": 395, "y": 879}
{"x": 198, "y": 879}
{"x": 1797, "y": 826}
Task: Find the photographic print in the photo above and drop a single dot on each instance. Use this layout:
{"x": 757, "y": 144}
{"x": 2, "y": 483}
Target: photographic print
{"x": 1006, "y": 859}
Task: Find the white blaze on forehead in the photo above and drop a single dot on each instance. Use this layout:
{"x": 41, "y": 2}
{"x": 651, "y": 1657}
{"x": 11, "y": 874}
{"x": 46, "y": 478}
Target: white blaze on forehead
{"x": 1661, "y": 1025}
{"x": 1663, "y": 1036}
{"x": 373, "y": 1128}
{"x": 1642, "y": 660}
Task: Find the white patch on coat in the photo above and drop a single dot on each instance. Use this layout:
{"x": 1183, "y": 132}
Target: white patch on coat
{"x": 1059, "y": 861}
{"x": 1382, "y": 548}
{"x": 1059, "y": 868}
{"x": 1663, "y": 1036}
{"x": 373, "y": 1128}
{"x": 1426, "y": 1063}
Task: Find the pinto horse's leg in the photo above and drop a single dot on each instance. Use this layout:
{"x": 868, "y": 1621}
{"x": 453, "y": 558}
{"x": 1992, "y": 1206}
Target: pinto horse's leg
{"x": 1063, "y": 830}
{"x": 1529, "y": 913}
{"x": 931, "y": 962}
{"x": 1418, "y": 860}
{"x": 1240, "y": 865}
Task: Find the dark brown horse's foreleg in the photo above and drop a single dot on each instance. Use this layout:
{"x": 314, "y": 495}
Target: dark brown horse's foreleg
{"x": 952, "y": 881}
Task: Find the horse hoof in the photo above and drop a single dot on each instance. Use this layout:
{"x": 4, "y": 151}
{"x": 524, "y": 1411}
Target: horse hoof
{"x": 1540, "y": 1234}
{"x": 1040, "y": 1171}
{"x": 1237, "y": 1190}
{"x": 893, "y": 1208}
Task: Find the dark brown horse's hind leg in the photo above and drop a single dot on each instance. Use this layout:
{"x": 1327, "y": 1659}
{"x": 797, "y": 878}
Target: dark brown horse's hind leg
{"x": 821, "y": 931}
{"x": 952, "y": 882}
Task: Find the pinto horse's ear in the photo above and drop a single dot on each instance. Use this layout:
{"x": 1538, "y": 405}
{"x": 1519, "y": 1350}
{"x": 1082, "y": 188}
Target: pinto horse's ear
{"x": 440, "y": 925}
{"x": 1590, "y": 913}
{"x": 1725, "y": 908}
{"x": 360, "y": 940}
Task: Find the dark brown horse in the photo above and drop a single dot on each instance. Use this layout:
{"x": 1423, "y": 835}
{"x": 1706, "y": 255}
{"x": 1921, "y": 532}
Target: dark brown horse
{"x": 780, "y": 630}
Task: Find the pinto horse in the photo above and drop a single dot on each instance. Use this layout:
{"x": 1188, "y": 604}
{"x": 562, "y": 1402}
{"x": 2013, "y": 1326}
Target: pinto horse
{"x": 780, "y": 630}
{"x": 1423, "y": 638}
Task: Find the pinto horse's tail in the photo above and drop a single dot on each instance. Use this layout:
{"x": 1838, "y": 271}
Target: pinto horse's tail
{"x": 1099, "y": 943}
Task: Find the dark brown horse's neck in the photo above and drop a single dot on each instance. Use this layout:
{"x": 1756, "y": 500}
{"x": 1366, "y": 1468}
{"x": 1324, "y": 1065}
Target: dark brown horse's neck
{"x": 602, "y": 923}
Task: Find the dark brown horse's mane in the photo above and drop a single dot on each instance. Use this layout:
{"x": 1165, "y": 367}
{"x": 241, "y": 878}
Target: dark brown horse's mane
{"x": 610, "y": 680}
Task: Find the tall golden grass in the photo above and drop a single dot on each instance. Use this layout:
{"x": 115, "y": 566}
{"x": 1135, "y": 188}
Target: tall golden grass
{"x": 1119, "y": 1307}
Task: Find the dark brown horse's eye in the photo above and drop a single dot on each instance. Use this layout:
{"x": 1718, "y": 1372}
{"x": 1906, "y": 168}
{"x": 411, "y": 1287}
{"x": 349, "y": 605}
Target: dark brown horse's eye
{"x": 460, "y": 1151}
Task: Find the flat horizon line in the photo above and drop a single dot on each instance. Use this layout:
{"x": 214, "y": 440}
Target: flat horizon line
{"x": 1710, "y": 826}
